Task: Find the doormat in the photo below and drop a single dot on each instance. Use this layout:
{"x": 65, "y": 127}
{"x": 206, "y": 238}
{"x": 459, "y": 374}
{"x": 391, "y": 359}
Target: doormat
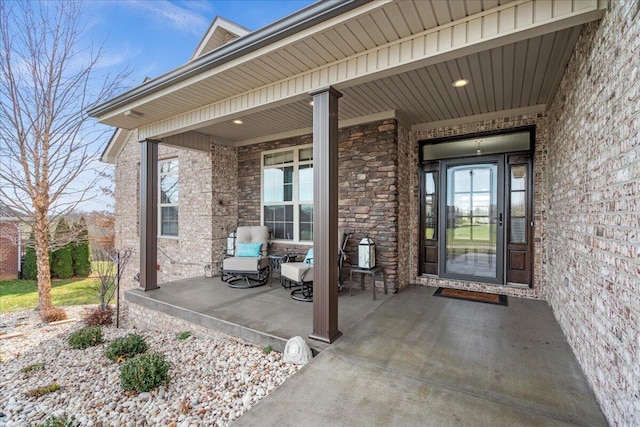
{"x": 472, "y": 296}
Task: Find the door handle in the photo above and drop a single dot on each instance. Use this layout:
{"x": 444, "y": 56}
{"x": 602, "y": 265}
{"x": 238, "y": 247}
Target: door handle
{"x": 500, "y": 220}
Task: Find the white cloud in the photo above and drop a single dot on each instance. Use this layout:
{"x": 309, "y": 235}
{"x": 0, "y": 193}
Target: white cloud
{"x": 176, "y": 16}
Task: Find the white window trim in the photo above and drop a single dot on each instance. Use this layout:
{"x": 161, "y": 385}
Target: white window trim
{"x": 295, "y": 202}
{"x": 167, "y": 205}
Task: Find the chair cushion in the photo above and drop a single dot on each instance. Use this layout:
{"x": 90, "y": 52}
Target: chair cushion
{"x": 297, "y": 271}
{"x": 254, "y": 234}
{"x": 248, "y": 264}
{"x": 249, "y": 249}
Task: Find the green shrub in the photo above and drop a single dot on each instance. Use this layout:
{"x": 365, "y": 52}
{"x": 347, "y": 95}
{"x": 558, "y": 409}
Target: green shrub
{"x": 144, "y": 372}
{"x": 30, "y": 269}
{"x": 81, "y": 253}
{"x": 183, "y": 335}
{"x": 53, "y": 421}
{"x": 33, "y": 367}
{"x": 86, "y": 337}
{"x": 267, "y": 349}
{"x": 62, "y": 258}
{"x": 41, "y": 391}
{"x": 126, "y": 347}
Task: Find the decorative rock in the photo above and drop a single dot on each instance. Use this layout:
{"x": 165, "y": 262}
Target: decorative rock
{"x": 297, "y": 351}
{"x": 215, "y": 393}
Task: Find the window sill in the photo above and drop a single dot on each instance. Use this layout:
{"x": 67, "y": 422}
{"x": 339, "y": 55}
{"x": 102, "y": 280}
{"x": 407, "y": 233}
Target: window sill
{"x": 169, "y": 237}
{"x": 290, "y": 242}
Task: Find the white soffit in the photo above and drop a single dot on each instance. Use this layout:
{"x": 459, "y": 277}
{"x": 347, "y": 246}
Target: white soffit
{"x": 507, "y": 24}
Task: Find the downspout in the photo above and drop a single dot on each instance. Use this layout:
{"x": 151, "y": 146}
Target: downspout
{"x": 19, "y": 251}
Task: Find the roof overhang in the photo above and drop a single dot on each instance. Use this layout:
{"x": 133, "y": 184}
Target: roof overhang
{"x": 403, "y": 62}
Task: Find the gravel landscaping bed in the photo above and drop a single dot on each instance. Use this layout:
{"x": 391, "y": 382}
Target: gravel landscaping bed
{"x": 213, "y": 380}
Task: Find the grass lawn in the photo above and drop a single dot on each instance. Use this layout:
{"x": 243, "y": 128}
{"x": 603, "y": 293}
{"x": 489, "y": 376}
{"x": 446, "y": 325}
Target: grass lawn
{"x": 23, "y": 294}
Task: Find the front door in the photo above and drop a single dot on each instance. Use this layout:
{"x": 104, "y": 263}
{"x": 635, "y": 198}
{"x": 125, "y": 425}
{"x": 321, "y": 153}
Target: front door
{"x": 477, "y": 208}
{"x": 473, "y": 220}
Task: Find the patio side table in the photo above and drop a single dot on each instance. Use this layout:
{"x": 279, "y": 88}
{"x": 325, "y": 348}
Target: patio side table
{"x": 275, "y": 261}
{"x": 373, "y": 272}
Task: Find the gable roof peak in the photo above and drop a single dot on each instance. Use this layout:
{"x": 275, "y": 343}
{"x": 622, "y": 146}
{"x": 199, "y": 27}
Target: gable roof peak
{"x": 219, "y": 33}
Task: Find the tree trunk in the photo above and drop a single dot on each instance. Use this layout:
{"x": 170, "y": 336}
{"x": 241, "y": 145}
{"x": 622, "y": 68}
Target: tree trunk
{"x": 41, "y": 234}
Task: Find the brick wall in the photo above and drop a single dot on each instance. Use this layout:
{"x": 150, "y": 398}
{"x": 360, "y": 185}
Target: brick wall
{"x": 540, "y": 202}
{"x": 9, "y": 250}
{"x": 367, "y": 189}
{"x": 224, "y": 176}
{"x": 594, "y": 209}
{"x": 180, "y": 257}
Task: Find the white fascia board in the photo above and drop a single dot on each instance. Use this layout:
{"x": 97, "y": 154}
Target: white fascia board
{"x": 533, "y": 109}
{"x": 347, "y": 16}
{"x": 116, "y": 145}
{"x": 505, "y": 24}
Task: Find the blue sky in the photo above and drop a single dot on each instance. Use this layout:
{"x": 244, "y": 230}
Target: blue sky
{"x": 155, "y": 36}
{"x": 152, "y": 37}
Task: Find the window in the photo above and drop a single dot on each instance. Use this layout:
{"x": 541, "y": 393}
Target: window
{"x": 287, "y": 193}
{"x": 168, "y": 203}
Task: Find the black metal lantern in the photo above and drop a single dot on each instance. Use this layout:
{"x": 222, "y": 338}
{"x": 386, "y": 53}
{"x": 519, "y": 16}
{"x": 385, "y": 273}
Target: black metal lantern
{"x": 366, "y": 253}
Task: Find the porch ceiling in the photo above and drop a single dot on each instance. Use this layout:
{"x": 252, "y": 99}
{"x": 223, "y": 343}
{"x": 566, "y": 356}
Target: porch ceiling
{"x": 514, "y": 76}
{"x": 388, "y": 58}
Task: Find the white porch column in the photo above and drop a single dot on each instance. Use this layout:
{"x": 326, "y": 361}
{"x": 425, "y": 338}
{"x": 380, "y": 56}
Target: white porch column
{"x": 325, "y": 214}
{"x": 148, "y": 214}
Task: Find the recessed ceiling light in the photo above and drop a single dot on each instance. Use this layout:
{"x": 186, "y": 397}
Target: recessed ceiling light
{"x": 237, "y": 122}
{"x": 460, "y": 83}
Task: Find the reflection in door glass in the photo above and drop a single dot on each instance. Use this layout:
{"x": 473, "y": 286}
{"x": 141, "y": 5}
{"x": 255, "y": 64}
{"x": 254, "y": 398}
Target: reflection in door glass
{"x": 471, "y": 229}
{"x": 518, "y": 207}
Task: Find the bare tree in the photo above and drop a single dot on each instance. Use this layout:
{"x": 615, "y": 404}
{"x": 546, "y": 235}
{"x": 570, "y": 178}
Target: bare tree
{"x": 49, "y": 76}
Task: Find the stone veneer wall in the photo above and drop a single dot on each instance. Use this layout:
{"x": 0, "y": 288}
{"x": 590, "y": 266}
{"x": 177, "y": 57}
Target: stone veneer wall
{"x": 368, "y": 189}
{"x": 180, "y": 257}
{"x": 594, "y": 209}
{"x": 540, "y": 203}
{"x": 406, "y": 180}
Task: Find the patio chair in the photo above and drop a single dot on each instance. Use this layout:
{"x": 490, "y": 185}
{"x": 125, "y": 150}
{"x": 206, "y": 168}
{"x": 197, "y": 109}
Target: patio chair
{"x": 249, "y": 267}
{"x": 300, "y": 274}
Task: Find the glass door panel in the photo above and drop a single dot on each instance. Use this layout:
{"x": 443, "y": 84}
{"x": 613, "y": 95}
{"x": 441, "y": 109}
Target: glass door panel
{"x": 471, "y": 225}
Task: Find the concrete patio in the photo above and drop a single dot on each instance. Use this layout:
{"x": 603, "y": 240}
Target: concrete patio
{"x": 420, "y": 360}
{"x": 264, "y": 315}
{"x": 409, "y": 359}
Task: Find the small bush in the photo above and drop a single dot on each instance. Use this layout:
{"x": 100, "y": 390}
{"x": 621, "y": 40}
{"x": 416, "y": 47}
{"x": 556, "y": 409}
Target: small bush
{"x": 126, "y": 347}
{"x": 184, "y": 335}
{"x": 98, "y": 316}
{"x": 80, "y": 251}
{"x": 62, "y": 258}
{"x": 86, "y": 337}
{"x": 267, "y": 349}
{"x": 53, "y": 421}
{"x": 41, "y": 391}
{"x": 144, "y": 372}
{"x": 31, "y": 368}
{"x": 53, "y": 315}
{"x": 30, "y": 269}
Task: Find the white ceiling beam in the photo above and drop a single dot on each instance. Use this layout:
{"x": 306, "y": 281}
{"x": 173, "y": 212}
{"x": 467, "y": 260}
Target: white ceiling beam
{"x": 384, "y": 115}
{"x": 506, "y": 24}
